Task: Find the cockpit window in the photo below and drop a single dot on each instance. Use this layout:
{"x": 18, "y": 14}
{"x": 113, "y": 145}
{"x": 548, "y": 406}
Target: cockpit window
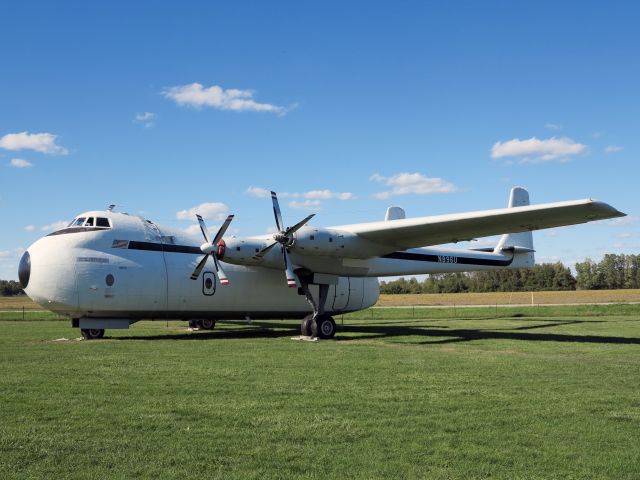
{"x": 79, "y": 222}
{"x": 102, "y": 222}
{"x": 89, "y": 222}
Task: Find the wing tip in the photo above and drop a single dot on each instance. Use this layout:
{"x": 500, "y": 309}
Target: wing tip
{"x": 607, "y": 210}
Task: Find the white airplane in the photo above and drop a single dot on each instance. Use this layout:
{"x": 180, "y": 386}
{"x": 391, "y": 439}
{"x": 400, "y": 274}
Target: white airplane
{"x": 108, "y": 270}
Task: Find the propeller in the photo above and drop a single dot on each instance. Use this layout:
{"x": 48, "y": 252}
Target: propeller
{"x": 212, "y": 248}
{"x": 284, "y": 237}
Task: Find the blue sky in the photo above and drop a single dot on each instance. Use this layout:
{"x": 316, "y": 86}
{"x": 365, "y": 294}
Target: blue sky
{"x": 347, "y": 106}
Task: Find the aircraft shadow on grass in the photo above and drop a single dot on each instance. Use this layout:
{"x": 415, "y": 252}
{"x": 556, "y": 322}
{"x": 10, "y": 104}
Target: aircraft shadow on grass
{"x": 440, "y": 335}
{"x": 424, "y": 335}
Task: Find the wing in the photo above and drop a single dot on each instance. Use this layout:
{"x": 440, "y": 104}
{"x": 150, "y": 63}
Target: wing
{"x": 437, "y": 230}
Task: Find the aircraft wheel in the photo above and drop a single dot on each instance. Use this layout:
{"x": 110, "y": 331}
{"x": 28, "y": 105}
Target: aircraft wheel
{"x": 324, "y": 327}
{"x": 305, "y": 326}
{"x": 207, "y": 324}
{"x": 92, "y": 333}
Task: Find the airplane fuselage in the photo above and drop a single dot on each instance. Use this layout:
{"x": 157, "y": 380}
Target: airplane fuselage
{"x": 137, "y": 269}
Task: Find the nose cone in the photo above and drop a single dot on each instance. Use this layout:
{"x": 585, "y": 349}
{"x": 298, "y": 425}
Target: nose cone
{"x": 24, "y": 269}
{"x": 47, "y": 274}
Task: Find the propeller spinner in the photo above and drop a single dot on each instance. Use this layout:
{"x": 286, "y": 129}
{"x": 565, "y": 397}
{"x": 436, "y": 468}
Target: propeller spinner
{"x": 211, "y": 248}
{"x": 284, "y": 237}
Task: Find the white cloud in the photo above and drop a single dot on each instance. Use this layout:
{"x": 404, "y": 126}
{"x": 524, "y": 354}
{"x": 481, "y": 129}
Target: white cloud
{"x": 622, "y": 221}
{"x": 30, "y": 228}
{"x": 553, "y": 126}
{"x": 305, "y": 205}
{"x": 196, "y": 95}
{"x": 613, "y": 149}
{"x": 327, "y": 194}
{"x": 194, "y": 229}
{"x": 39, "y": 142}
{"x": 412, "y": 184}
{"x": 54, "y": 226}
{"x": 20, "y": 163}
{"x": 310, "y": 195}
{"x": 534, "y": 150}
{"x": 146, "y": 119}
{"x": 208, "y": 211}
{"x": 258, "y": 192}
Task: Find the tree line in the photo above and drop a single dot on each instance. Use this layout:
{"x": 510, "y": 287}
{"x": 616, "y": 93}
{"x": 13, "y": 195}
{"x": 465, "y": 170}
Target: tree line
{"x": 9, "y": 288}
{"x": 612, "y": 272}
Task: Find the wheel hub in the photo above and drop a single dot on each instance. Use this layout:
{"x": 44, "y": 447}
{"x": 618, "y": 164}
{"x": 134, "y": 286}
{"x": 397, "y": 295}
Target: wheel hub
{"x": 326, "y": 328}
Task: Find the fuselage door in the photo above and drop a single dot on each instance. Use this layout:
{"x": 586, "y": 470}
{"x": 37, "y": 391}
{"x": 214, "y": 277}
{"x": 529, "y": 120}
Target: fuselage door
{"x": 341, "y": 298}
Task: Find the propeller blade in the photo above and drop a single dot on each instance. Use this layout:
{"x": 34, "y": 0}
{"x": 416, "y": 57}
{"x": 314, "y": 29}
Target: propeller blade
{"x": 203, "y": 227}
{"x": 196, "y": 272}
{"x": 291, "y": 279}
{"x": 265, "y": 250}
{"x": 298, "y": 225}
{"x": 221, "y": 275}
{"x": 276, "y": 211}
{"x": 222, "y": 230}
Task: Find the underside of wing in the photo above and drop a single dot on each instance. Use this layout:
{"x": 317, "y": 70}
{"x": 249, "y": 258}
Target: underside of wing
{"x": 441, "y": 229}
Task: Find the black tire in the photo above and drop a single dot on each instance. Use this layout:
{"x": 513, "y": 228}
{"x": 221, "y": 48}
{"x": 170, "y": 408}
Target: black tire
{"x": 324, "y": 327}
{"x": 305, "y": 326}
{"x": 92, "y": 333}
{"x": 207, "y": 324}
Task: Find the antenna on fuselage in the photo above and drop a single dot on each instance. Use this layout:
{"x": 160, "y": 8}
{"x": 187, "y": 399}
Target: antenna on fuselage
{"x": 111, "y": 207}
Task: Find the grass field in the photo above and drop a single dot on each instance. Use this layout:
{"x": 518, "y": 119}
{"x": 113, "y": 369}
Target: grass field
{"x": 536, "y": 392}
{"x": 512, "y": 298}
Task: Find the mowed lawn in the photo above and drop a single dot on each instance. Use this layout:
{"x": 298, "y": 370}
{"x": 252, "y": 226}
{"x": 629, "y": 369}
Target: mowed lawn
{"x": 398, "y": 394}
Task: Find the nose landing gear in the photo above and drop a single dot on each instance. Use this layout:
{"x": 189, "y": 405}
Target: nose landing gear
{"x": 203, "y": 324}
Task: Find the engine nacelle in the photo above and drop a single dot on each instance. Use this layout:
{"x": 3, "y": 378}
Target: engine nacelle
{"x": 241, "y": 251}
{"x": 308, "y": 241}
{"x": 328, "y": 242}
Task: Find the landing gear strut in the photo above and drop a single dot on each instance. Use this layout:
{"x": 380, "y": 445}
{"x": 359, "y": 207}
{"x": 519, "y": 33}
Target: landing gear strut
{"x": 317, "y": 324}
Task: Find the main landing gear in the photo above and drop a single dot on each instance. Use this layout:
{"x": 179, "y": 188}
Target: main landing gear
{"x": 92, "y": 333}
{"x": 317, "y": 324}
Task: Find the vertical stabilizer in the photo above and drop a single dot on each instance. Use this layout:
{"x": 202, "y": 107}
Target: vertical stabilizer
{"x": 520, "y": 243}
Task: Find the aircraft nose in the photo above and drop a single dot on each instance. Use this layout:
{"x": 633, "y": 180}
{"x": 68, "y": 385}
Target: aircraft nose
{"x": 24, "y": 269}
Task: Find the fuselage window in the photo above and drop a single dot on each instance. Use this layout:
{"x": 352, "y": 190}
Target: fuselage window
{"x": 102, "y": 222}
{"x": 89, "y": 222}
